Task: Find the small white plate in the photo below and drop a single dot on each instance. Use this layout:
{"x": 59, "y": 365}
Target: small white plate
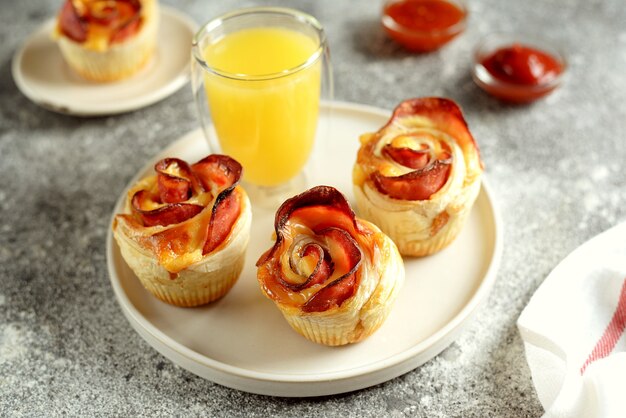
{"x": 242, "y": 340}
{"x": 42, "y": 74}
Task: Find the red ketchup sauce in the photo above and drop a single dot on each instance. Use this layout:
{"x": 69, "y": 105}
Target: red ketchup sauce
{"x": 423, "y": 25}
{"x": 523, "y": 73}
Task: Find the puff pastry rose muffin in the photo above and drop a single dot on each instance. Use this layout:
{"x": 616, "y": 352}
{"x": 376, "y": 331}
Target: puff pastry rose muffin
{"x": 333, "y": 276}
{"x": 107, "y": 40}
{"x": 419, "y": 175}
{"x": 185, "y": 230}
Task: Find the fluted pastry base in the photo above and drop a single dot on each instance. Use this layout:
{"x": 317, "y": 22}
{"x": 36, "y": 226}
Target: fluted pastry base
{"x": 190, "y": 287}
{"x": 418, "y": 229}
{"x": 335, "y": 330}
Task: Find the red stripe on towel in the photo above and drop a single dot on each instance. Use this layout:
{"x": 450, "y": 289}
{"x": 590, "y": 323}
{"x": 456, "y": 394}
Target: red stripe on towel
{"x": 612, "y": 333}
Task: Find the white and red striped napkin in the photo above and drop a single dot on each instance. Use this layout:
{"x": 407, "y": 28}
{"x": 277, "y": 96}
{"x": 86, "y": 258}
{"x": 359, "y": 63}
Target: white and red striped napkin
{"x": 573, "y": 331}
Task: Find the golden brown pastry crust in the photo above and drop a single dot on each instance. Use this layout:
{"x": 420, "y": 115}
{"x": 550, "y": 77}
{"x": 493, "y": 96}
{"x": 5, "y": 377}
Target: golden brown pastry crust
{"x": 97, "y": 60}
{"x": 201, "y": 282}
{"x": 423, "y": 226}
{"x": 170, "y": 258}
{"x": 378, "y": 280}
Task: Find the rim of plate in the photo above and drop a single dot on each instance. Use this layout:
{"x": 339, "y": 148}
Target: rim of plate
{"x": 394, "y": 360}
{"x": 181, "y": 78}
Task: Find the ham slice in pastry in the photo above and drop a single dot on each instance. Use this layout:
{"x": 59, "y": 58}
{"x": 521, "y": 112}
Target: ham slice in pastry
{"x": 333, "y": 276}
{"x": 419, "y": 175}
{"x": 185, "y": 229}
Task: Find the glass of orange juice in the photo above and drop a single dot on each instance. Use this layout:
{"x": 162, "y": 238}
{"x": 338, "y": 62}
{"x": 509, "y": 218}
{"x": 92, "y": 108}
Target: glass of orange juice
{"x": 258, "y": 75}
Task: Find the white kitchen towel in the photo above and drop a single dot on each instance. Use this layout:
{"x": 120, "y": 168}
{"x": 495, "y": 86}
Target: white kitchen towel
{"x": 573, "y": 331}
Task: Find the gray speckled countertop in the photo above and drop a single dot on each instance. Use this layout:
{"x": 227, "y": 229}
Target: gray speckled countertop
{"x": 555, "y": 167}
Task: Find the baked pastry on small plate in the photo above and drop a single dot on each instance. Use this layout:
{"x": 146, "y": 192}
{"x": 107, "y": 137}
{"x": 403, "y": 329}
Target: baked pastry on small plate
{"x": 333, "y": 276}
{"x": 185, "y": 229}
{"x": 419, "y": 175}
{"x": 107, "y": 40}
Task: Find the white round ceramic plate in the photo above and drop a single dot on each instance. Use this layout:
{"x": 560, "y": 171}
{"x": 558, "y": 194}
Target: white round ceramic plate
{"x": 42, "y": 74}
{"x": 242, "y": 340}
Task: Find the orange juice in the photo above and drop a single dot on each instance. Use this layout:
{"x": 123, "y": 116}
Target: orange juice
{"x": 265, "y": 112}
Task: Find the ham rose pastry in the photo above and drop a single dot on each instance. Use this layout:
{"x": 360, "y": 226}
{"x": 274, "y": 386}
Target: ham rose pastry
{"x": 333, "y": 276}
{"x": 107, "y": 40}
{"x": 419, "y": 175}
{"x": 185, "y": 230}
